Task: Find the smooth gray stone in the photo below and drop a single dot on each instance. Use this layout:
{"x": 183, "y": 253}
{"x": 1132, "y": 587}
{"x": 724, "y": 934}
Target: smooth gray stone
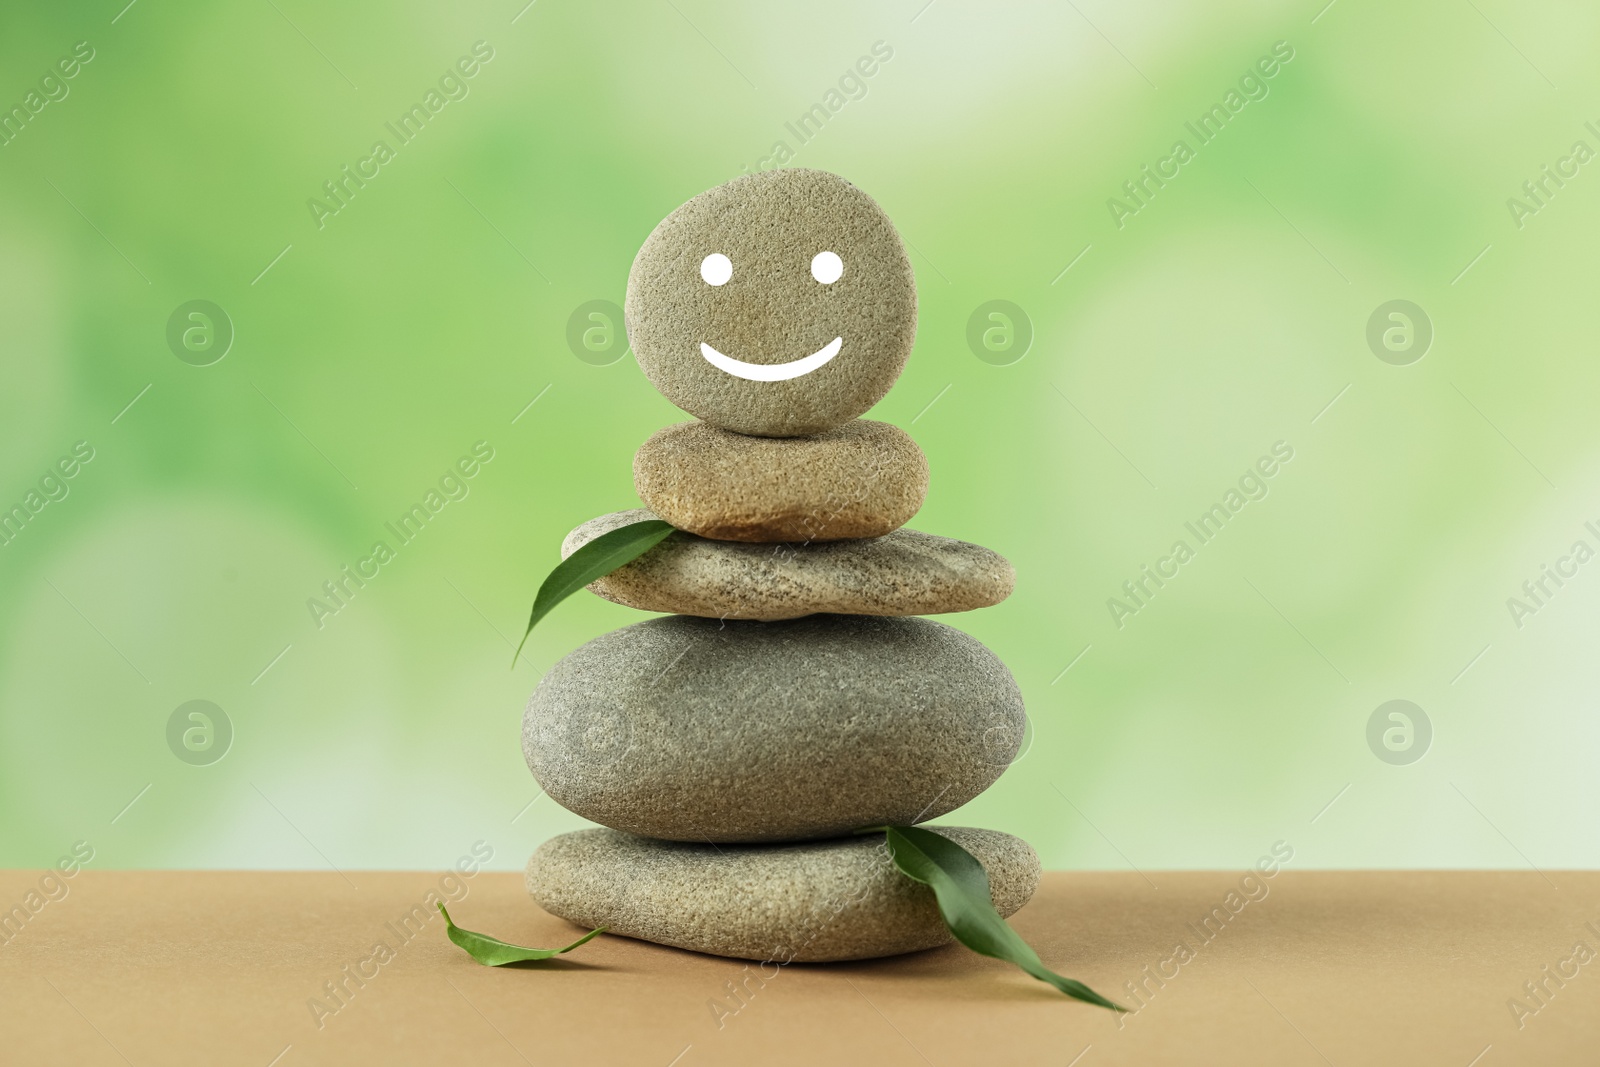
{"x": 697, "y": 730}
{"x": 904, "y": 572}
{"x": 828, "y": 900}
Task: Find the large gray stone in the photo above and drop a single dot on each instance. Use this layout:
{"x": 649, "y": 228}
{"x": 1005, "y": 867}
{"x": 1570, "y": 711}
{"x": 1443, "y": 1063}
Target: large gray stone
{"x": 901, "y": 573}
{"x": 697, "y": 730}
{"x": 828, "y": 900}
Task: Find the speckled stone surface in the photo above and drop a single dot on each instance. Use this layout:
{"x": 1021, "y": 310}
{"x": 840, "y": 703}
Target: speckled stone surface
{"x": 699, "y": 730}
{"x": 905, "y": 572}
{"x": 841, "y": 899}
{"x": 772, "y": 309}
{"x": 861, "y": 479}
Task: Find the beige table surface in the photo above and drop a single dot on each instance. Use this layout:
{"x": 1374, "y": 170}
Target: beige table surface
{"x": 1329, "y": 968}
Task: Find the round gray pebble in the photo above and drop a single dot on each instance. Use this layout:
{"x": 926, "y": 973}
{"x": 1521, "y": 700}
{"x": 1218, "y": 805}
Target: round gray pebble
{"x": 769, "y": 306}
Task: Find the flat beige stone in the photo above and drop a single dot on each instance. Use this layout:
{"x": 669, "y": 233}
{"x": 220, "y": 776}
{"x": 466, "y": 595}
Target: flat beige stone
{"x": 862, "y": 479}
{"x": 827, "y": 900}
{"x": 905, "y": 572}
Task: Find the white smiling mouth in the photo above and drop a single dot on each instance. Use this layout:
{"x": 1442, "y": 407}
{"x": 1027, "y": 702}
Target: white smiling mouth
{"x": 771, "y": 372}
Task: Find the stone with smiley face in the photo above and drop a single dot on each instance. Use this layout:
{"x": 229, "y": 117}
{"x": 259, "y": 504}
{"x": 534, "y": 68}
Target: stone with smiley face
{"x": 780, "y": 304}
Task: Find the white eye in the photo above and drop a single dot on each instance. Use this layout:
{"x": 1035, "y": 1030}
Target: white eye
{"x": 827, "y": 267}
{"x": 716, "y": 269}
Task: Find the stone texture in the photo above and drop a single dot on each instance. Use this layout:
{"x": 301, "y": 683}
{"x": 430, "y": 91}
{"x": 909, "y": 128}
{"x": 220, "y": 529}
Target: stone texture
{"x": 772, "y": 310}
{"x": 902, "y": 573}
{"x": 828, "y": 900}
{"x": 861, "y": 479}
{"x": 698, "y": 730}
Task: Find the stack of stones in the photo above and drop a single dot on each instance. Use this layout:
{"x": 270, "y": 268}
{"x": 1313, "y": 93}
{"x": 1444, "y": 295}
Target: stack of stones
{"x": 792, "y": 696}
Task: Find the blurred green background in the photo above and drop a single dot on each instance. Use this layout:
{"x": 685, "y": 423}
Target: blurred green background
{"x": 1167, "y": 354}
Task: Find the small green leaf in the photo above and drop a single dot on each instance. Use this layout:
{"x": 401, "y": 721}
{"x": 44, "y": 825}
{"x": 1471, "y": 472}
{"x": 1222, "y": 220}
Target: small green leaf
{"x": 961, "y": 886}
{"x": 593, "y": 561}
{"x": 492, "y": 952}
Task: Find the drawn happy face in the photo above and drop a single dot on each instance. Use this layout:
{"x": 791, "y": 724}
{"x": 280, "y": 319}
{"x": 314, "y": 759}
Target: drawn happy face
{"x": 778, "y": 305}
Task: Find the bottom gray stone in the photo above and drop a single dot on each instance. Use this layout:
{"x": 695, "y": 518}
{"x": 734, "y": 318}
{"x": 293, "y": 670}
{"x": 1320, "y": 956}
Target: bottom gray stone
{"x": 815, "y": 901}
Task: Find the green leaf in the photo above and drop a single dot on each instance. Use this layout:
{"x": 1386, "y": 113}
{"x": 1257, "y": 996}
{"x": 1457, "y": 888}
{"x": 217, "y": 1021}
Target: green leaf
{"x": 592, "y": 561}
{"x": 961, "y": 886}
{"x": 493, "y": 952}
